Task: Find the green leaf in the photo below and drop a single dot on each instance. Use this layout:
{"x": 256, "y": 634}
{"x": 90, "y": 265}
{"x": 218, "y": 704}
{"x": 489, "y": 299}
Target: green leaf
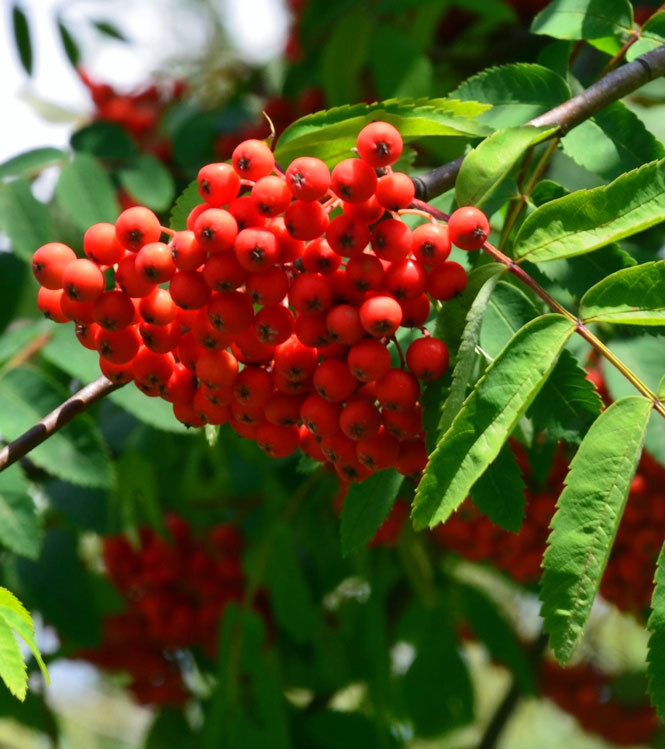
{"x": 398, "y": 66}
{"x": 19, "y": 529}
{"x": 66, "y": 352}
{"x": 76, "y": 453}
{"x": 110, "y": 29}
{"x": 22, "y": 37}
{"x": 588, "y": 514}
{"x": 170, "y": 722}
{"x": 589, "y": 219}
{"x": 189, "y": 198}
{"x": 331, "y": 134}
{"x": 499, "y": 492}
{"x": 490, "y": 163}
{"x": 656, "y": 626}
{"x": 437, "y": 689}
{"x": 134, "y": 501}
{"x": 661, "y": 389}
{"x": 290, "y": 597}
{"x": 25, "y": 220}
{"x": 15, "y": 620}
{"x": 85, "y": 192}
{"x": 508, "y": 310}
{"x": 633, "y": 296}
{"x": 651, "y": 37}
{"x": 466, "y": 353}
{"x": 366, "y": 506}
{"x": 148, "y": 181}
{"x": 105, "y": 140}
{"x": 20, "y": 336}
{"x": 491, "y": 628}
{"x": 612, "y": 142}
{"x": 31, "y": 162}
{"x": 584, "y": 19}
{"x": 58, "y": 585}
{"x": 341, "y": 62}
{"x": 488, "y": 417}
{"x": 517, "y": 92}
{"x": 568, "y": 403}
{"x": 15, "y": 278}
{"x": 69, "y": 44}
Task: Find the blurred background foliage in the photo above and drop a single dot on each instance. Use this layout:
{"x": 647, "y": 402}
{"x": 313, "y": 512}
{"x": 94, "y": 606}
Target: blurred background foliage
{"x": 403, "y": 644}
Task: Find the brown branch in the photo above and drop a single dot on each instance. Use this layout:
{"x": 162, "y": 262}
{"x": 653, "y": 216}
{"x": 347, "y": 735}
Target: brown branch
{"x": 606, "y": 91}
{"x": 57, "y": 419}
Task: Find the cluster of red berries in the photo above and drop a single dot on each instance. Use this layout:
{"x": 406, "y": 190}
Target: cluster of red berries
{"x": 628, "y": 578}
{"x": 282, "y": 303}
{"x": 176, "y": 590}
{"x": 138, "y": 113}
{"x": 589, "y": 694}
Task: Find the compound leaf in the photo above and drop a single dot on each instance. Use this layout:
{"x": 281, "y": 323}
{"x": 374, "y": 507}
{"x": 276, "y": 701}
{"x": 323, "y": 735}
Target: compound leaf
{"x": 85, "y": 192}
{"x": 584, "y": 19}
{"x": 656, "y": 626}
{"x": 588, "y": 514}
{"x": 19, "y": 528}
{"x": 499, "y": 492}
{"x": 25, "y": 220}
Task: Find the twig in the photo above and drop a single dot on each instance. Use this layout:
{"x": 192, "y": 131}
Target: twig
{"x": 607, "y": 90}
{"x": 57, "y": 419}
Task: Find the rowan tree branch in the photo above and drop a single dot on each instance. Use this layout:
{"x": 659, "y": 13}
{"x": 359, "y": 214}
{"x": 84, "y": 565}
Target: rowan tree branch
{"x": 57, "y": 419}
{"x": 606, "y": 91}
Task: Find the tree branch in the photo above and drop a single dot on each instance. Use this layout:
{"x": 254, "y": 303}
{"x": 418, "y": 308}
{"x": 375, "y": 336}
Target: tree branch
{"x": 607, "y": 90}
{"x": 57, "y": 419}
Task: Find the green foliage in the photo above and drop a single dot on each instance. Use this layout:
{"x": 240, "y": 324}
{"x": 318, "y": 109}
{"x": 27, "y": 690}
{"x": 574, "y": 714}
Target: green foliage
{"x": 188, "y": 199}
{"x": 342, "y": 62}
{"x": 587, "y": 517}
{"x": 612, "y": 142}
{"x": 508, "y": 310}
{"x": 148, "y": 181}
{"x": 633, "y": 296}
{"x": 499, "y": 492}
{"x": 489, "y": 164}
{"x": 584, "y": 19}
{"x": 366, "y": 506}
{"x": 25, "y": 220}
{"x": 30, "y": 162}
{"x": 69, "y": 44}
{"x": 105, "y": 140}
{"x": 16, "y": 621}
{"x": 77, "y": 452}
{"x": 488, "y": 417}
{"x": 656, "y": 626}
{"x": 589, "y": 219}
{"x": 85, "y": 192}
{"x": 466, "y": 351}
{"x": 19, "y": 528}
{"x": 22, "y": 37}
{"x": 652, "y": 36}
{"x": 398, "y": 66}
{"x": 517, "y": 92}
{"x": 568, "y": 403}
{"x": 331, "y": 134}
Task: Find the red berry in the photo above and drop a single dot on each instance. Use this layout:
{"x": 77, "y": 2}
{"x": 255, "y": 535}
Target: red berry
{"x": 246, "y": 213}
{"x": 271, "y": 195}
{"x": 231, "y": 312}
{"x": 189, "y": 290}
{"x": 129, "y": 280}
{"x": 353, "y": 181}
{"x": 186, "y": 252}
{"x": 101, "y": 245}
{"x": 428, "y": 358}
{"x": 379, "y": 451}
{"x": 218, "y": 184}
{"x": 306, "y": 220}
{"x": 347, "y": 236}
{"x": 268, "y": 287}
{"x": 206, "y": 335}
{"x": 154, "y": 262}
{"x": 395, "y": 191}
{"x": 181, "y": 385}
{"x": 468, "y": 228}
{"x": 118, "y": 373}
{"x": 294, "y": 360}
{"x": 158, "y": 308}
{"x": 252, "y": 159}
{"x": 152, "y": 369}
{"x": 217, "y": 368}
{"x": 137, "y": 226}
{"x": 368, "y": 360}
{"x": 310, "y": 294}
{"x": 344, "y": 325}
{"x": 412, "y": 458}
{"x": 431, "y": 244}
{"x": 283, "y": 410}
{"x": 379, "y": 144}
{"x": 380, "y": 316}
{"x": 113, "y": 310}
{"x": 253, "y": 387}
{"x": 319, "y": 257}
{"x": 320, "y": 416}
{"x": 49, "y": 263}
{"x": 82, "y": 280}
{"x": 119, "y": 347}
{"x": 312, "y": 331}
{"x": 308, "y": 178}
{"x": 406, "y": 280}
{"x": 360, "y": 420}
{"x": 48, "y": 303}
{"x": 77, "y": 311}
{"x": 223, "y": 272}
{"x": 397, "y": 390}
{"x": 365, "y": 271}
{"x": 160, "y": 338}
{"x": 369, "y": 211}
{"x": 415, "y": 311}
{"x": 392, "y": 240}
{"x": 216, "y": 230}
{"x": 256, "y": 249}
{"x": 277, "y": 441}
{"x": 290, "y": 249}
{"x": 446, "y": 281}
{"x": 273, "y": 325}
{"x": 333, "y": 381}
